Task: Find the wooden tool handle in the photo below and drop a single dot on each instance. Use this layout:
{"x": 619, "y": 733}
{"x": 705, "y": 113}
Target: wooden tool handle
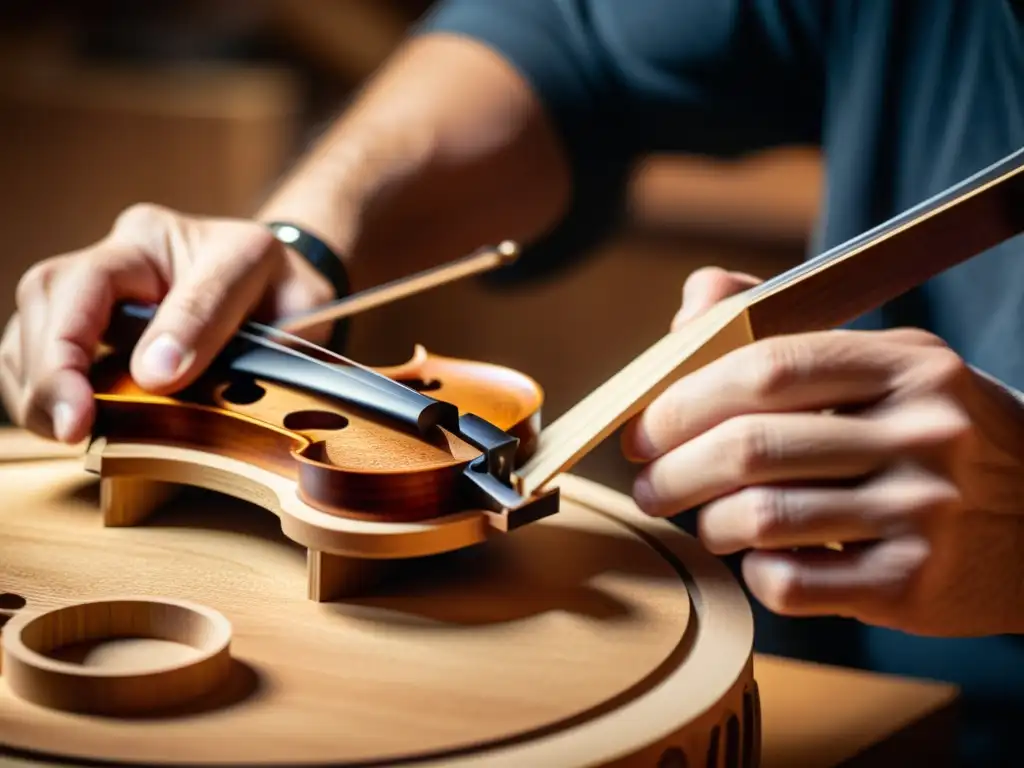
{"x": 901, "y": 254}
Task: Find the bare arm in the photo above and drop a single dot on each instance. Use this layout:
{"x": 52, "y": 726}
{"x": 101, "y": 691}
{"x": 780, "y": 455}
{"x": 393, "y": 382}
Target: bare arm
{"x": 446, "y": 149}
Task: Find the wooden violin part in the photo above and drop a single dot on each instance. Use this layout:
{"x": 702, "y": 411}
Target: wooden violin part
{"x": 353, "y": 490}
{"x": 344, "y": 460}
{"x": 409, "y": 455}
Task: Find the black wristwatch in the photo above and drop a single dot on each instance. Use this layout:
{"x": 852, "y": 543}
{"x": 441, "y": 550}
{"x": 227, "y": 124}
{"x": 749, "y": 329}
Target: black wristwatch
{"x": 325, "y": 261}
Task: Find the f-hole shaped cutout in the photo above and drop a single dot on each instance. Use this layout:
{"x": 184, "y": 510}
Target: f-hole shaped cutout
{"x": 243, "y": 392}
{"x": 302, "y": 421}
{"x": 421, "y": 385}
{"x": 11, "y": 602}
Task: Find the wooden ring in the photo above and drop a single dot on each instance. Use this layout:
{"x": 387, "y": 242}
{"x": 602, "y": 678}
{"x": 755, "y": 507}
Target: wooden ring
{"x": 35, "y": 676}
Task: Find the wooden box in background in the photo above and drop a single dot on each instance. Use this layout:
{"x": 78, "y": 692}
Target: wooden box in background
{"x": 79, "y": 145}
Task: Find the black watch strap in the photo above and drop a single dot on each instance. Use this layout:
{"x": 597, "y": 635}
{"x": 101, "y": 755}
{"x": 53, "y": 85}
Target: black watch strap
{"x": 316, "y": 252}
{"x": 324, "y": 260}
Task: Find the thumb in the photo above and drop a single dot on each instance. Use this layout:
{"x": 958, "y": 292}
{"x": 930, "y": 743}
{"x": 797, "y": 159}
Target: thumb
{"x": 706, "y": 287}
{"x": 206, "y": 304}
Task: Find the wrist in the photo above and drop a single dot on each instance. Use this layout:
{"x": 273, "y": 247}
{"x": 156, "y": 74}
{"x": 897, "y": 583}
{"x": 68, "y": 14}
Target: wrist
{"x": 313, "y": 202}
{"x": 316, "y": 253}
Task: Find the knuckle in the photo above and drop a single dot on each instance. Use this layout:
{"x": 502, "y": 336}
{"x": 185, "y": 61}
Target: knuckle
{"x": 951, "y": 425}
{"x": 10, "y": 349}
{"x": 776, "y": 364}
{"x": 35, "y": 281}
{"x": 769, "y": 514}
{"x": 194, "y": 307}
{"x": 139, "y": 217}
{"x": 751, "y": 445}
{"x": 916, "y": 336}
{"x": 947, "y": 369}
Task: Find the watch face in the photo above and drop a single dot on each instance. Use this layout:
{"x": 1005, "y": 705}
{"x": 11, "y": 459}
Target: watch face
{"x": 286, "y": 233}
{"x": 316, "y": 252}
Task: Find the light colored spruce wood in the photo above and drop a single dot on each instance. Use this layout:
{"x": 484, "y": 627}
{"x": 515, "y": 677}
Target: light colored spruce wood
{"x": 46, "y": 655}
{"x": 567, "y": 440}
{"x": 595, "y": 637}
{"x": 340, "y": 550}
{"x": 328, "y": 675}
{"x": 18, "y": 445}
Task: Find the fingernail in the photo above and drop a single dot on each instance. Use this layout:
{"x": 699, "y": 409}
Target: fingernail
{"x": 163, "y": 358}
{"x": 63, "y": 419}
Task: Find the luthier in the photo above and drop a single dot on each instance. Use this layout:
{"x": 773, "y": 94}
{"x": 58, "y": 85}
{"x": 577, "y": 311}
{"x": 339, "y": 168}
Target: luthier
{"x": 721, "y": 699}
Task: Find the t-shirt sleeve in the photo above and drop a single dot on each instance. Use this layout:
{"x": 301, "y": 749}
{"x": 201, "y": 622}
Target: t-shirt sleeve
{"x": 623, "y": 78}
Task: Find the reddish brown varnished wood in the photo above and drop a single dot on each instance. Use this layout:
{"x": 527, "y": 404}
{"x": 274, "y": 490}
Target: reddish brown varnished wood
{"x": 345, "y": 461}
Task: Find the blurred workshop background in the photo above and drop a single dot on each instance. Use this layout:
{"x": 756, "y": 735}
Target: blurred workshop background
{"x": 202, "y": 106}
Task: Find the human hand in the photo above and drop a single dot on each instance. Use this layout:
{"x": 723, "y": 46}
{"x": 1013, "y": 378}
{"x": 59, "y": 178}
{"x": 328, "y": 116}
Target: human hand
{"x": 885, "y": 441}
{"x": 207, "y": 274}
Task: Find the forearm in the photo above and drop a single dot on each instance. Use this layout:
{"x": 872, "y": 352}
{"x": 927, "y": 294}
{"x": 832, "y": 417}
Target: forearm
{"x": 446, "y": 149}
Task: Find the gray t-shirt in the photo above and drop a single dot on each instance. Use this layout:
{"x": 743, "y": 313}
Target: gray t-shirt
{"x": 905, "y": 99}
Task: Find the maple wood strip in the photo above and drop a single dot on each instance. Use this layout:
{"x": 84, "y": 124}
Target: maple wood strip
{"x": 723, "y": 328}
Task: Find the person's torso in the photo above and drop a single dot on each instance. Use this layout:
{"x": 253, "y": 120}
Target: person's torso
{"x": 921, "y": 95}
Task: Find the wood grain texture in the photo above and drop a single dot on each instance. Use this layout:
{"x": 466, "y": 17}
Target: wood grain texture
{"x": 722, "y": 328}
{"x": 899, "y": 255}
{"x": 161, "y": 654}
{"x": 147, "y": 471}
{"x": 597, "y": 636}
{"x": 345, "y": 461}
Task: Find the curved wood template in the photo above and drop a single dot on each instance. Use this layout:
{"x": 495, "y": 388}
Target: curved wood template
{"x": 303, "y": 524}
{"x": 344, "y": 554}
{"x": 595, "y": 637}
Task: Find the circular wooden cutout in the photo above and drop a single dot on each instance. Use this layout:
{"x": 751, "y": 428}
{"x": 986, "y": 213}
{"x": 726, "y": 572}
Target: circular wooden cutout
{"x": 123, "y": 656}
{"x": 571, "y": 638}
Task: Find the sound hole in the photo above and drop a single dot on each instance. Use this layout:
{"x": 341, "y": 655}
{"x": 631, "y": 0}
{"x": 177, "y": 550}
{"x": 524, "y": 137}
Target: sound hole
{"x": 243, "y": 392}
{"x": 421, "y": 385}
{"x": 301, "y": 421}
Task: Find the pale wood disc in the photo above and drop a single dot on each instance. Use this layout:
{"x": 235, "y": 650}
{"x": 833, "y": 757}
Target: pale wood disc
{"x": 545, "y": 631}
